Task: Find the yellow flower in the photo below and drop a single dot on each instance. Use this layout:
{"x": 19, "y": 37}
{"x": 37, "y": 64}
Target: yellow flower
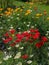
{"x": 39, "y": 14}
{"x": 31, "y": 3}
{"x": 17, "y": 9}
{"x": 13, "y": 35}
{"x": 45, "y": 12}
{"x": 37, "y": 17}
{"x": 47, "y": 18}
{"x": 26, "y": 13}
{"x": 1, "y": 14}
{"x": 1, "y": 9}
{"x": 30, "y": 7}
{"x": 7, "y": 12}
{"x": 8, "y": 9}
{"x": 21, "y": 10}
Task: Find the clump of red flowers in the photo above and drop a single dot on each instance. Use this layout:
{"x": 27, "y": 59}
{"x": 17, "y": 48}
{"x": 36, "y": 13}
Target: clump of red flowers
{"x": 31, "y": 36}
{"x": 25, "y": 56}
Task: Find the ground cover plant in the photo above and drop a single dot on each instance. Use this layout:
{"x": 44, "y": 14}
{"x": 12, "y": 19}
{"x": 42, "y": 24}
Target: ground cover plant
{"x": 24, "y": 34}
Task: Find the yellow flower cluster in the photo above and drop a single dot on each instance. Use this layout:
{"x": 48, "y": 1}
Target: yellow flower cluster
{"x": 1, "y": 9}
{"x": 17, "y": 9}
{"x": 47, "y": 18}
{"x": 28, "y": 12}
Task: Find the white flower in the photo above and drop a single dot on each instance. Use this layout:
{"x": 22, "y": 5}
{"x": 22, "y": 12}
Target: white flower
{"x": 18, "y": 55}
{"x": 10, "y": 56}
{"x": 48, "y": 37}
{"x": 31, "y": 55}
{"x": 48, "y": 54}
{"x": 19, "y": 63}
{"x": 11, "y": 17}
{"x": 6, "y": 58}
{"x": 4, "y": 52}
{"x": 48, "y": 47}
{"x": 32, "y": 26}
{"x": 29, "y": 22}
{"x": 46, "y": 34}
{"x": 28, "y": 25}
{"x": 29, "y": 61}
{"x": 18, "y": 18}
{"x": 11, "y": 27}
{"x": 1, "y": 27}
{"x": 21, "y": 47}
{"x": 9, "y": 48}
{"x": 19, "y": 32}
{"x": 18, "y": 14}
{"x": 0, "y": 22}
{"x": 19, "y": 28}
{"x": 0, "y": 62}
{"x": 17, "y": 45}
{"x": 35, "y": 24}
{"x": 8, "y": 19}
{"x": 47, "y": 31}
{"x": 31, "y": 10}
{"x": 24, "y": 22}
{"x": 28, "y": 31}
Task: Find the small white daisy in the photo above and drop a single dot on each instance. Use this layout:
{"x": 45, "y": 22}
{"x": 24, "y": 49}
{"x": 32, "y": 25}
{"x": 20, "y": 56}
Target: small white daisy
{"x": 11, "y": 17}
{"x": 0, "y": 62}
{"x": 19, "y": 63}
{"x": 19, "y": 28}
{"x": 28, "y": 31}
{"x": 46, "y": 34}
{"x": 10, "y": 56}
{"x": 21, "y": 47}
{"x": 32, "y": 26}
{"x": 18, "y": 14}
{"x": 47, "y": 31}
{"x": 24, "y": 22}
{"x": 6, "y": 58}
{"x": 48, "y": 54}
{"x": 48, "y": 47}
{"x": 31, "y": 55}
{"x": 18, "y": 18}
{"x": 8, "y": 19}
{"x": 35, "y": 24}
{"x": 28, "y": 25}
{"x": 9, "y": 48}
{"x": 1, "y": 27}
{"x": 18, "y": 55}
{"x": 29, "y": 61}
{"x": 17, "y": 45}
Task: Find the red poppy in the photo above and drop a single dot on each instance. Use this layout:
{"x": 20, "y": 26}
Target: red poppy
{"x": 19, "y": 36}
{"x": 10, "y": 38}
{"x": 39, "y": 44}
{"x": 18, "y": 40}
{"x": 32, "y": 30}
{"x": 13, "y": 44}
{"x": 12, "y": 31}
{"x": 36, "y": 36}
{"x": 25, "y": 56}
{"x": 6, "y": 34}
{"x": 25, "y": 33}
{"x": 44, "y": 39}
{"x": 6, "y": 41}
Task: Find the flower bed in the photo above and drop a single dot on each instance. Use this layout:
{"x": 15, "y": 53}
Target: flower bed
{"x": 24, "y": 35}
